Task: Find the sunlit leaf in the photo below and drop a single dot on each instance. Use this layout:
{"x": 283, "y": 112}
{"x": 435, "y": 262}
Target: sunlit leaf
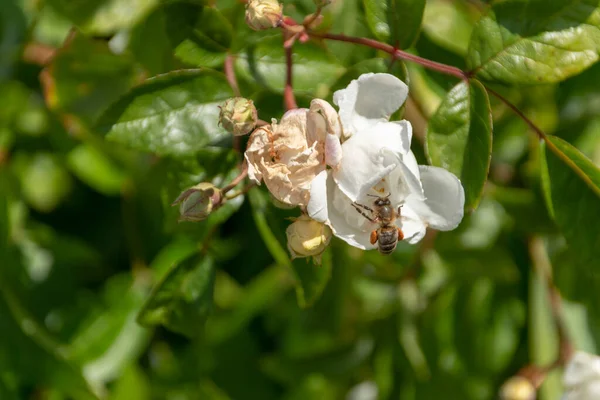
{"x": 535, "y": 42}
{"x": 171, "y": 114}
{"x": 459, "y": 137}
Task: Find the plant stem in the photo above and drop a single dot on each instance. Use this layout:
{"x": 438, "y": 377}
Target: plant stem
{"x": 541, "y": 263}
{"x": 237, "y": 179}
{"x": 288, "y": 92}
{"x": 514, "y": 108}
{"x": 313, "y": 18}
{"x": 433, "y": 65}
{"x": 230, "y": 75}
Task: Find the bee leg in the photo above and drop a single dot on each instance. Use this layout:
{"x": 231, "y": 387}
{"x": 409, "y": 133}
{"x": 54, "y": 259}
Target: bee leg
{"x": 363, "y": 213}
{"x": 374, "y": 237}
{"x": 363, "y": 206}
{"x": 400, "y": 234}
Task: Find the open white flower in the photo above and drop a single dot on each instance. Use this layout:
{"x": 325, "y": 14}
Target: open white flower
{"x": 582, "y": 377}
{"x": 289, "y": 154}
{"x": 377, "y": 161}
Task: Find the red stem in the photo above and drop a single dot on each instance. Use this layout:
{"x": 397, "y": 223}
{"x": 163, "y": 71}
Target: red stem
{"x": 237, "y": 179}
{"x": 443, "y": 68}
{"x": 288, "y": 92}
{"x": 230, "y": 75}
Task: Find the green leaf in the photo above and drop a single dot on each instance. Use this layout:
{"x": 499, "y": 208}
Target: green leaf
{"x": 313, "y": 67}
{"x": 263, "y": 292}
{"x": 85, "y": 77}
{"x": 459, "y": 137}
{"x": 208, "y": 41}
{"x": 183, "y": 299}
{"x": 96, "y": 169}
{"x": 395, "y": 21}
{"x": 30, "y": 353}
{"x": 154, "y": 40}
{"x": 111, "y": 339}
{"x": 171, "y": 114}
{"x": 12, "y": 32}
{"x": 103, "y": 17}
{"x": 535, "y": 42}
{"x": 45, "y": 182}
{"x": 133, "y": 384}
{"x": 212, "y": 31}
{"x": 572, "y": 189}
{"x": 312, "y": 278}
{"x": 449, "y": 24}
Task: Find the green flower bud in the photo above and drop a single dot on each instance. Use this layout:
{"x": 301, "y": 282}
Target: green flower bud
{"x": 517, "y": 388}
{"x": 197, "y": 202}
{"x": 307, "y": 237}
{"x": 238, "y": 116}
{"x": 263, "y": 14}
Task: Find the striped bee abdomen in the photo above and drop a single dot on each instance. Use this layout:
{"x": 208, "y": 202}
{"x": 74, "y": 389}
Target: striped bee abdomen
{"x": 388, "y": 239}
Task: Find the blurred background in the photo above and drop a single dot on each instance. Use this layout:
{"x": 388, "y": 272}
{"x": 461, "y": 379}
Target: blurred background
{"x": 103, "y": 294}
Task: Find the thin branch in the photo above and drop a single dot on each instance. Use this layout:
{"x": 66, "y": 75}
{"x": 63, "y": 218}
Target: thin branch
{"x": 237, "y": 179}
{"x": 230, "y": 74}
{"x": 543, "y": 267}
{"x": 559, "y": 153}
{"x": 288, "y": 92}
{"x": 240, "y": 192}
{"x": 516, "y": 110}
{"x": 433, "y": 65}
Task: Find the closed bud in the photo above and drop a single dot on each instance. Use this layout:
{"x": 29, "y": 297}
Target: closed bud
{"x": 238, "y": 116}
{"x": 307, "y": 237}
{"x": 263, "y": 14}
{"x": 197, "y": 202}
{"x": 322, "y": 3}
{"x": 517, "y": 388}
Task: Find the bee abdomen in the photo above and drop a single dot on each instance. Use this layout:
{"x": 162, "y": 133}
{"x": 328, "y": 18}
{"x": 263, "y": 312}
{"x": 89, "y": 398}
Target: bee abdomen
{"x": 388, "y": 239}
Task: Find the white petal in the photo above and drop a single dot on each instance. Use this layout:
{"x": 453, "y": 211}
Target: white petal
{"x": 370, "y": 98}
{"x": 322, "y": 120}
{"x": 411, "y": 224}
{"x": 404, "y": 181}
{"x": 581, "y": 368}
{"x": 333, "y": 150}
{"x": 328, "y": 204}
{"x": 443, "y": 208}
{"x": 369, "y": 156}
{"x": 317, "y": 205}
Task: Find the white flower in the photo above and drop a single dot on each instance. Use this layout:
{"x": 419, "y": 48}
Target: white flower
{"x": 377, "y": 161}
{"x": 582, "y": 377}
{"x": 289, "y": 154}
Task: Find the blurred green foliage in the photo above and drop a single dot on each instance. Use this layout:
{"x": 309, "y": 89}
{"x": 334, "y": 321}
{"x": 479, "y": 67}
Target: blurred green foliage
{"x": 108, "y": 110}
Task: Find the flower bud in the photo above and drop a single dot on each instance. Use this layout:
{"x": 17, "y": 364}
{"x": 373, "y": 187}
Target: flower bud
{"x": 238, "y": 116}
{"x": 197, "y": 202}
{"x": 263, "y": 14}
{"x": 307, "y": 237}
{"x": 517, "y": 388}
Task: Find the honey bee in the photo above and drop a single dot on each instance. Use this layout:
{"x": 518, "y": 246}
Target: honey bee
{"x": 382, "y": 213}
